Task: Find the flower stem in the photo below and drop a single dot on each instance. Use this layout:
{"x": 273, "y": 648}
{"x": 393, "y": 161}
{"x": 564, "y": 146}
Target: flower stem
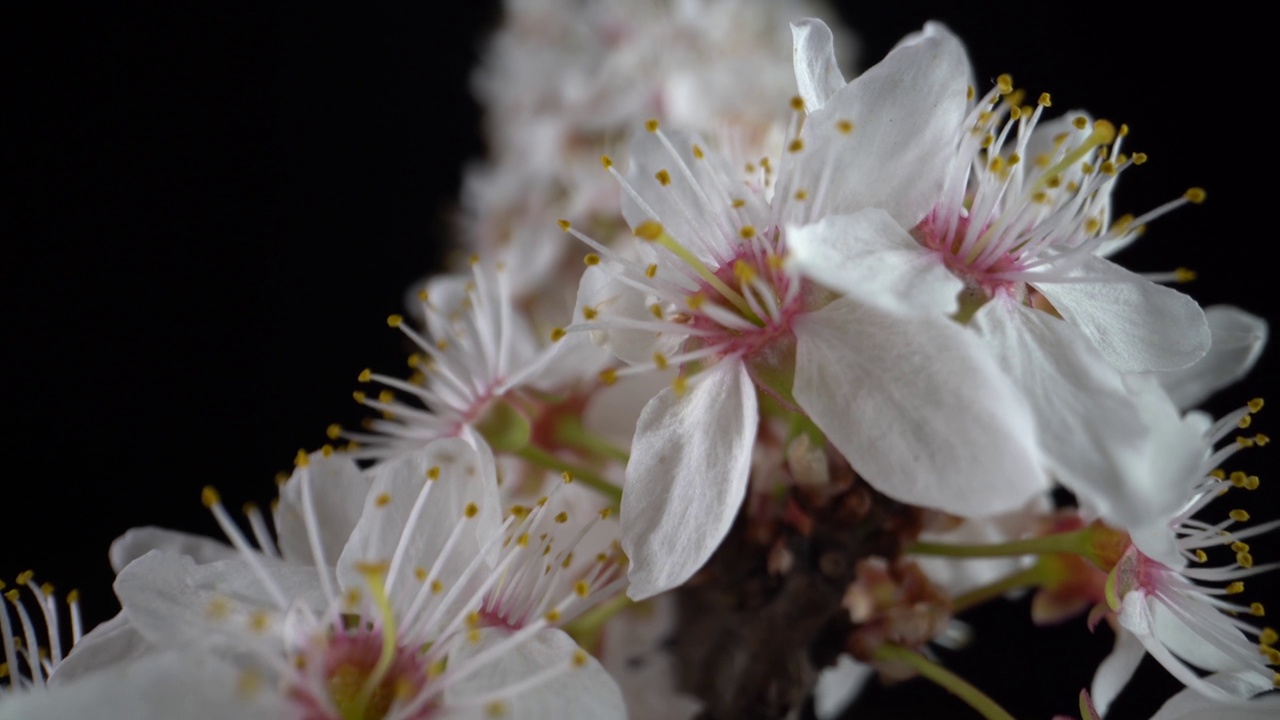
{"x": 1029, "y": 577}
{"x": 1071, "y": 543}
{"x": 588, "y": 477}
{"x": 946, "y": 679}
{"x": 569, "y": 430}
{"x": 586, "y": 629}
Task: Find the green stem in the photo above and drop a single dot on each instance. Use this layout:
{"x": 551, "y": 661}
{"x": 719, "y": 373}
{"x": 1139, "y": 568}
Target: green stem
{"x": 1071, "y": 543}
{"x": 586, "y": 629}
{"x": 538, "y": 456}
{"x": 1029, "y": 577}
{"x": 946, "y": 679}
{"x": 570, "y": 431}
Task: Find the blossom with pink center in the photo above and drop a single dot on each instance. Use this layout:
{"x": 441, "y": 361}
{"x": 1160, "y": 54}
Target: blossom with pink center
{"x": 1171, "y": 603}
{"x": 917, "y": 407}
{"x": 387, "y": 623}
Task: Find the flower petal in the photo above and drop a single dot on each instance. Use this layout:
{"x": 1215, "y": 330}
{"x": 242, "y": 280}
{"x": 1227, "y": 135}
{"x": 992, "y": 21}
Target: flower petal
{"x": 838, "y": 686}
{"x": 338, "y": 491}
{"x": 1116, "y": 670}
{"x": 1088, "y": 423}
{"x": 584, "y": 691}
{"x": 818, "y": 74}
{"x": 139, "y": 541}
{"x": 918, "y": 408}
{"x": 869, "y": 257}
{"x": 687, "y": 476}
{"x": 113, "y": 642}
{"x": 1238, "y": 339}
{"x": 413, "y": 506}
{"x": 1137, "y": 324}
{"x": 906, "y": 113}
{"x": 1191, "y": 705}
{"x": 171, "y": 685}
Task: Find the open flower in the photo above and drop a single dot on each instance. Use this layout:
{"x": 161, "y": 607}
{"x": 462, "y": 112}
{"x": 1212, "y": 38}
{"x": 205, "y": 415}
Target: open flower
{"x": 917, "y": 407}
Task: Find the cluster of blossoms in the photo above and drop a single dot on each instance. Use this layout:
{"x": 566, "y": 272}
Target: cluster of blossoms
{"x": 833, "y": 347}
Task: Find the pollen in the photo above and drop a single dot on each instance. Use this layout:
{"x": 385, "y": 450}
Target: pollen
{"x": 394, "y": 320}
{"x": 606, "y": 161}
{"x": 567, "y": 477}
{"x": 1139, "y": 158}
{"x": 1045, "y": 100}
{"x": 1256, "y": 404}
{"x": 697, "y": 152}
{"x": 1201, "y": 556}
{"x": 1081, "y": 122}
{"x": 557, "y": 334}
{"x": 564, "y": 225}
{"x": 334, "y": 431}
{"x": 1004, "y": 84}
{"x": 649, "y": 230}
{"x": 1269, "y": 636}
{"x": 1256, "y": 610}
{"x": 1194, "y": 195}
{"x": 660, "y": 361}
{"x": 1244, "y": 560}
{"x": 747, "y": 232}
{"x": 562, "y": 517}
{"x": 470, "y": 510}
{"x": 581, "y": 588}
{"x": 433, "y": 473}
{"x": 579, "y": 658}
{"x": 382, "y": 500}
{"x": 801, "y": 195}
{"x": 1235, "y": 588}
{"x": 663, "y": 177}
{"x": 1184, "y": 275}
{"x": 797, "y": 103}
{"x": 496, "y": 709}
{"x": 1239, "y": 515}
{"x": 609, "y": 376}
{"x": 591, "y": 259}
{"x": 209, "y": 496}
{"x": 552, "y": 615}
{"x": 795, "y": 146}
{"x": 651, "y": 270}
{"x": 605, "y": 513}
{"x": 437, "y": 587}
{"x": 651, "y": 125}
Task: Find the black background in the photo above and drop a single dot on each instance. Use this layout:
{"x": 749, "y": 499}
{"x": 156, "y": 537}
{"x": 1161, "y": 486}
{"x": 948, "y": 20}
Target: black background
{"x": 210, "y": 210}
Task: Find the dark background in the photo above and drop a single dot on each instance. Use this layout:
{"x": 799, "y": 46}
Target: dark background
{"x": 209, "y": 211}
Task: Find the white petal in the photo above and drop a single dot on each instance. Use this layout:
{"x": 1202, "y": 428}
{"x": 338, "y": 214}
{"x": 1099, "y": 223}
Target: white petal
{"x": 838, "y": 686}
{"x": 579, "y": 692}
{"x": 634, "y": 649}
{"x": 165, "y": 686}
{"x": 1089, "y": 424}
{"x": 1191, "y": 705}
{"x": 1238, "y": 340}
{"x": 1191, "y": 644}
{"x": 1116, "y": 670}
{"x": 906, "y": 113}
{"x": 168, "y": 597}
{"x": 818, "y": 74}
{"x": 338, "y": 490}
{"x": 465, "y": 476}
{"x": 613, "y": 300}
{"x": 139, "y": 541}
{"x": 918, "y": 408}
{"x": 687, "y": 476}
{"x": 868, "y": 256}
{"x": 1137, "y": 324}
{"x": 114, "y": 642}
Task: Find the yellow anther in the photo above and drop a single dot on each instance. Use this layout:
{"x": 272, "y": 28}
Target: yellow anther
{"x": 795, "y": 146}
{"x": 1194, "y": 195}
{"x": 695, "y": 301}
{"x": 1245, "y": 422}
{"x": 801, "y": 195}
{"x": 562, "y": 517}
{"x": 386, "y": 396}
{"x": 12, "y": 596}
{"x": 746, "y": 232}
{"x": 1201, "y": 556}
{"x": 738, "y": 202}
{"x": 1092, "y": 226}
{"x": 420, "y": 574}
{"x": 1261, "y": 439}
{"x": 1256, "y": 404}
{"x": 605, "y": 513}
{"x": 1235, "y": 588}
{"x": 473, "y": 619}
{"x": 523, "y": 540}
{"x": 1256, "y": 610}
{"x": 663, "y": 177}
{"x": 1139, "y": 158}
{"x": 1040, "y": 196}
{"x": 1108, "y": 168}
{"x": 606, "y": 161}
{"x": 496, "y": 709}
{"x": 651, "y": 270}
{"x": 217, "y": 608}
{"x": 749, "y": 168}
{"x": 797, "y": 103}
{"x": 334, "y": 431}
{"x": 1015, "y": 113}
{"x": 258, "y": 621}
{"x": 73, "y": 597}
{"x": 743, "y": 271}
{"x": 564, "y": 225}
{"x": 1239, "y": 547}
{"x": 1045, "y": 100}
{"x": 651, "y": 125}
{"x": 679, "y": 385}
{"x": 1269, "y": 636}
{"x": 609, "y": 376}
{"x": 988, "y": 141}
{"x": 1184, "y": 275}
{"x": 660, "y": 361}
{"x": 394, "y": 320}
{"x": 581, "y": 588}
{"x": 382, "y": 500}
{"x": 25, "y": 576}
{"x": 996, "y": 164}
{"x": 697, "y": 152}
{"x": 591, "y": 259}
{"x": 1238, "y": 478}
{"x": 301, "y": 459}
{"x": 649, "y": 230}
{"x": 1081, "y": 122}
{"x": 579, "y": 658}
{"x": 1239, "y": 515}
{"x": 1251, "y": 482}
{"x": 433, "y": 473}
{"x": 1004, "y": 84}
{"x": 437, "y": 587}
{"x": 470, "y": 510}
{"x": 365, "y": 375}
{"x": 567, "y": 477}
{"x": 209, "y": 496}
{"x": 1014, "y": 159}
{"x": 557, "y": 334}
{"x": 1273, "y": 655}
{"x": 1244, "y": 442}
{"x": 552, "y": 616}
{"x": 1244, "y": 560}
{"x": 656, "y": 310}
